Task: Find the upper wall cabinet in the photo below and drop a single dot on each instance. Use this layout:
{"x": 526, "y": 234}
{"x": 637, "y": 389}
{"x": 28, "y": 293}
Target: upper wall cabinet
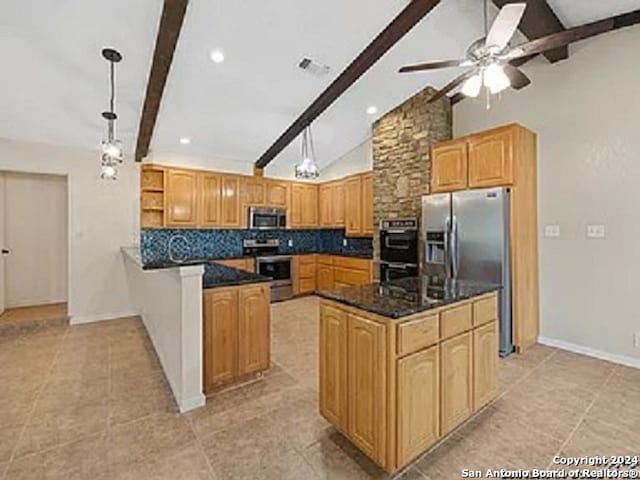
{"x": 359, "y": 205}
{"x": 449, "y": 167}
{"x": 182, "y": 198}
{"x": 210, "y": 199}
{"x": 277, "y": 194}
{"x": 482, "y": 160}
{"x": 230, "y": 211}
{"x": 367, "y": 204}
{"x": 261, "y": 192}
{"x": 304, "y": 206}
{"x": 331, "y": 204}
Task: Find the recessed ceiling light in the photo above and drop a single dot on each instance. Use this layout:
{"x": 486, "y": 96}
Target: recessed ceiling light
{"x": 217, "y": 56}
{"x": 372, "y": 110}
{"x": 185, "y": 140}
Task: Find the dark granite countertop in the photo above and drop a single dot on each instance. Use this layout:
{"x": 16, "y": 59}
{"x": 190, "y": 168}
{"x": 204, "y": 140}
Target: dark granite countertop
{"x": 216, "y": 275}
{"x": 403, "y": 297}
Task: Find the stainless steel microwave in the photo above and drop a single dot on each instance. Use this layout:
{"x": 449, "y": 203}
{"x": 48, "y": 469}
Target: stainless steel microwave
{"x": 267, "y": 218}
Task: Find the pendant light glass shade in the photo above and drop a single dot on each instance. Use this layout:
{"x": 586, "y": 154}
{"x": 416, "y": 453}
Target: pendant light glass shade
{"x": 112, "y": 153}
{"x": 307, "y": 169}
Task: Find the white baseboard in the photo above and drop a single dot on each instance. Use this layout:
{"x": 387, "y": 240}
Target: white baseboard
{"x": 591, "y": 352}
{"x": 81, "y": 319}
{"x": 192, "y": 403}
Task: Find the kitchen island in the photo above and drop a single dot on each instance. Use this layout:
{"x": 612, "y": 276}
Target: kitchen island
{"x": 404, "y": 363}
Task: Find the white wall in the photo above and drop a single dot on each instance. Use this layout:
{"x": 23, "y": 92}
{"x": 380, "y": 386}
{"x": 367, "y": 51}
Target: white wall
{"x": 36, "y": 232}
{"x": 359, "y": 159}
{"x": 205, "y": 163}
{"x": 103, "y": 216}
{"x": 586, "y": 112}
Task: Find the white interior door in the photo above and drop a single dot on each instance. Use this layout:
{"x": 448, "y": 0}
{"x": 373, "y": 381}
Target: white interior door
{"x": 2, "y": 244}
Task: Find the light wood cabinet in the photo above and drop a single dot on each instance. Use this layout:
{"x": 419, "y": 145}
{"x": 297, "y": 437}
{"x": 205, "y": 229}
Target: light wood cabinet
{"x": 338, "y": 204}
{"x": 325, "y": 277}
{"x": 418, "y": 403}
{"x": 220, "y": 308}
{"x": 331, "y": 204}
{"x": 230, "y": 211}
{"x": 182, "y": 198}
{"x": 491, "y": 159}
{"x": 456, "y": 359}
{"x": 236, "y": 333}
{"x": 210, "y": 189}
{"x": 366, "y": 366}
{"x": 152, "y": 197}
{"x": 353, "y": 206}
{"x": 246, "y": 264}
{"x": 253, "y": 191}
{"x": 304, "y": 274}
{"x": 333, "y": 366}
{"x": 254, "y": 328}
{"x": 277, "y": 194}
{"x": 367, "y": 205}
{"x": 304, "y": 206}
{"x": 449, "y": 167}
{"x": 485, "y": 364}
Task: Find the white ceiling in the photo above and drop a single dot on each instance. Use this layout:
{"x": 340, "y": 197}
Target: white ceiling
{"x": 54, "y": 81}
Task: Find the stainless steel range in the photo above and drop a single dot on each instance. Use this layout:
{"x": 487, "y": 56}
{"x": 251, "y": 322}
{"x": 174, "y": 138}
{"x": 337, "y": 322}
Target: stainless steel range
{"x": 270, "y": 264}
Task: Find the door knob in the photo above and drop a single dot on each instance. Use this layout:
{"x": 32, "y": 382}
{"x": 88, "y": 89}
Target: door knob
{"x": 5, "y": 251}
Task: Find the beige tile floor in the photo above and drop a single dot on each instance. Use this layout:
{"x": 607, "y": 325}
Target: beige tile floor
{"x": 90, "y": 402}
{"x": 22, "y": 319}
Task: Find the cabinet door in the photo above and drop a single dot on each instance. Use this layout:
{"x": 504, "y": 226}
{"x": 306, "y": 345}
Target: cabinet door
{"x": 220, "y": 337}
{"x": 449, "y": 167}
{"x": 457, "y": 382}
{"x": 491, "y": 159}
{"x": 366, "y": 363}
{"x": 210, "y": 198}
{"x": 277, "y": 194}
{"x": 485, "y": 364}
{"x": 418, "y": 400}
{"x": 337, "y": 204}
{"x": 254, "y": 328}
{"x": 230, "y": 213}
{"x": 253, "y": 191}
{"x": 295, "y": 217}
{"x": 325, "y": 205}
{"x": 353, "y": 206}
{"x": 182, "y": 198}
{"x": 367, "y": 204}
{"x": 325, "y": 277}
{"x": 310, "y": 206}
{"x": 333, "y": 366}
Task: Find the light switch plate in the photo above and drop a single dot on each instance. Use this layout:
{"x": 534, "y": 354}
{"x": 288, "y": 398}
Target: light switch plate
{"x": 551, "y": 231}
{"x": 595, "y": 231}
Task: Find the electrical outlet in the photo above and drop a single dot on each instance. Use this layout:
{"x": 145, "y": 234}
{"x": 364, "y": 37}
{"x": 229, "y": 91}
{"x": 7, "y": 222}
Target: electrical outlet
{"x": 290, "y": 242}
{"x": 551, "y": 231}
{"x": 595, "y": 231}
{"x": 344, "y": 242}
{"x": 637, "y": 340}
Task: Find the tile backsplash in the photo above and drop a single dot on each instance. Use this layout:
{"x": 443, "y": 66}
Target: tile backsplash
{"x": 221, "y": 243}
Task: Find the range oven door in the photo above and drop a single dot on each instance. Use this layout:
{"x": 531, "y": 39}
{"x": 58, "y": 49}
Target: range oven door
{"x": 278, "y": 268}
{"x": 267, "y": 218}
{"x": 393, "y": 271}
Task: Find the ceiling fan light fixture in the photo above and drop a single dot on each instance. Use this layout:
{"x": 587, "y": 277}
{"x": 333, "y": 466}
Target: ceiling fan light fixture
{"x": 495, "y": 79}
{"x": 472, "y": 86}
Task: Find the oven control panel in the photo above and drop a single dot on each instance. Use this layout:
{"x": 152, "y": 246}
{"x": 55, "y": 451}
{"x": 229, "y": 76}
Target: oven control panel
{"x": 399, "y": 224}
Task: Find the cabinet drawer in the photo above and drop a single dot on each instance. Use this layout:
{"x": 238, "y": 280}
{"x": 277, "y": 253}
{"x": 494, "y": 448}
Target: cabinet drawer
{"x": 307, "y": 270}
{"x": 350, "y": 277}
{"x": 307, "y": 284}
{"x": 307, "y": 260}
{"x": 455, "y": 321}
{"x": 352, "y": 263}
{"x": 325, "y": 259}
{"x": 417, "y": 334}
{"x": 485, "y": 310}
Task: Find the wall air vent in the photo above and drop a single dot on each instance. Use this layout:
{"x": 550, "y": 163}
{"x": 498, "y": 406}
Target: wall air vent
{"x": 314, "y": 68}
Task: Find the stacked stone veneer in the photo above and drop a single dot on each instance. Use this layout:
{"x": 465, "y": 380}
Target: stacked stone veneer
{"x": 402, "y": 141}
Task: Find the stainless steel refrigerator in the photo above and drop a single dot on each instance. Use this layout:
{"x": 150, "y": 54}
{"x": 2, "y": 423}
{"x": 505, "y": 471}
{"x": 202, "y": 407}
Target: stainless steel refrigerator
{"x": 466, "y": 236}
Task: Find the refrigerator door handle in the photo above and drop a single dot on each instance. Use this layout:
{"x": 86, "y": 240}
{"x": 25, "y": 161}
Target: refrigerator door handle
{"x": 455, "y": 249}
{"x": 447, "y": 248}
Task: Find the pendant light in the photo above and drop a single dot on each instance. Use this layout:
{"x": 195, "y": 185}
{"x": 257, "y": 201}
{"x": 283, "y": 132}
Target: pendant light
{"x": 307, "y": 169}
{"x": 112, "y": 154}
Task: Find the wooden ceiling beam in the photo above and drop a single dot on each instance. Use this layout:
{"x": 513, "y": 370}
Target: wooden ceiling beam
{"x": 173, "y": 13}
{"x": 538, "y": 21}
{"x": 405, "y": 21}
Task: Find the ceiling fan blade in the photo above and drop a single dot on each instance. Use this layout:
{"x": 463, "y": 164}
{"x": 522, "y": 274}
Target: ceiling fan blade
{"x": 561, "y": 39}
{"x": 459, "y": 80}
{"x": 433, "y": 65}
{"x": 516, "y": 76}
{"x": 505, "y": 25}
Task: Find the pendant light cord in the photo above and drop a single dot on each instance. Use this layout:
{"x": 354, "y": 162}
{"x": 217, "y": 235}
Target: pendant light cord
{"x": 112, "y": 84}
{"x": 486, "y": 18}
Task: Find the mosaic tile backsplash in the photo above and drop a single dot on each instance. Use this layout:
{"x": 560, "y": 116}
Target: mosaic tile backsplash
{"x": 218, "y": 243}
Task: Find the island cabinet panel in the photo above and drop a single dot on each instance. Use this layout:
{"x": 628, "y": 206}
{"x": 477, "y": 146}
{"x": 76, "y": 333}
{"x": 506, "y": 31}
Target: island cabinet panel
{"x": 366, "y": 386}
{"x": 253, "y": 329}
{"x": 456, "y": 358}
{"x": 418, "y": 381}
{"x": 485, "y": 364}
{"x": 210, "y": 198}
{"x": 182, "y": 198}
{"x": 417, "y": 334}
{"x": 333, "y": 366}
{"x": 220, "y": 337}
{"x": 449, "y": 167}
{"x": 230, "y": 211}
{"x": 491, "y": 159}
{"x": 456, "y": 320}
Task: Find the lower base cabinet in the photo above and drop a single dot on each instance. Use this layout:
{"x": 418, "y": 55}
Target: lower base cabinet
{"x": 456, "y": 360}
{"x": 485, "y": 364}
{"x": 236, "y": 333}
{"x": 333, "y": 366}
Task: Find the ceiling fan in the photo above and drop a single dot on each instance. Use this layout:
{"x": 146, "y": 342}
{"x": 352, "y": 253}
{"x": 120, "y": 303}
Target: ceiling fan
{"x": 493, "y": 62}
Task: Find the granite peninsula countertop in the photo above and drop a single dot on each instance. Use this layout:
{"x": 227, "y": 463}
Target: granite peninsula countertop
{"x": 216, "y": 275}
{"x": 400, "y": 298}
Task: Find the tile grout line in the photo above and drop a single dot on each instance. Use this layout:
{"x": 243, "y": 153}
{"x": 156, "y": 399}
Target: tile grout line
{"x": 585, "y": 414}
{"x": 35, "y": 401}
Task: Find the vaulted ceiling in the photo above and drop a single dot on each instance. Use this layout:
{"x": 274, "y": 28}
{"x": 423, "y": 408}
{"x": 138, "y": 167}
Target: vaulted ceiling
{"x": 54, "y": 81}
